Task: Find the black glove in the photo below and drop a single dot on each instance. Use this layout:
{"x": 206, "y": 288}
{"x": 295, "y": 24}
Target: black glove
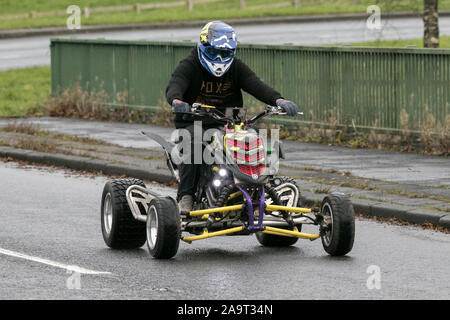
{"x": 288, "y": 106}
{"x": 180, "y": 106}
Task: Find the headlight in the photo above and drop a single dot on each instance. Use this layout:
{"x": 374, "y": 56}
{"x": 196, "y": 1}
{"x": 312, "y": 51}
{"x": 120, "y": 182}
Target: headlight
{"x": 223, "y": 172}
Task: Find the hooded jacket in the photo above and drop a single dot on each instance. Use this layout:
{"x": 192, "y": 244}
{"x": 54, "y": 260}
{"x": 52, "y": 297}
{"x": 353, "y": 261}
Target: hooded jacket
{"x": 192, "y": 83}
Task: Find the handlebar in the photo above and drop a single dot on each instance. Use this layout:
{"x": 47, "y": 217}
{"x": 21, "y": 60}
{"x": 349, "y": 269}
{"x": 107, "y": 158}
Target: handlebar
{"x": 269, "y": 111}
{"x": 199, "y": 109}
{"x": 202, "y": 110}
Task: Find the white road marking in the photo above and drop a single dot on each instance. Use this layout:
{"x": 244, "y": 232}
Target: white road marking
{"x": 52, "y": 263}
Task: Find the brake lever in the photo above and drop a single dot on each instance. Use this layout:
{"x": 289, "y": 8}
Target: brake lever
{"x": 284, "y": 113}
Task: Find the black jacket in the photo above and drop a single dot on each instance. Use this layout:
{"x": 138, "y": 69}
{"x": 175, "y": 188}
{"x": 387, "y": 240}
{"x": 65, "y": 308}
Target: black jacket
{"x": 191, "y": 83}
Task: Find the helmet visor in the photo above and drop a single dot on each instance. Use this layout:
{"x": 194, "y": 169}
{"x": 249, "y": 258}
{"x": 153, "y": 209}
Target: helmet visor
{"x": 219, "y": 54}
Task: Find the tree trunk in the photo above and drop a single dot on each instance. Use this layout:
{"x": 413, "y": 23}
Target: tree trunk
{"x": 431, "y": 24}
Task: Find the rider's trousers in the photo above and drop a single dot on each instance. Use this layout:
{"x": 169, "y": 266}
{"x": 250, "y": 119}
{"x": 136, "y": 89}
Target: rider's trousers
{"x": 190, "y": 171}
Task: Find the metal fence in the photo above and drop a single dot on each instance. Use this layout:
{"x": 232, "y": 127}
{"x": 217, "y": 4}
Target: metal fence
{"x": 363, "y": 87}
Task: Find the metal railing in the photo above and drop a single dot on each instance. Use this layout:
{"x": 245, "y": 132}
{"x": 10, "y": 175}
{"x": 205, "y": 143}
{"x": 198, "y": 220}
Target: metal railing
{"x": 363, "y": 87}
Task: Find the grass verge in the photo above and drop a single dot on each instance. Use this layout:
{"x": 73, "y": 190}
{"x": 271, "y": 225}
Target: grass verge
{"x": 222, "y": 9}
{"x": 24, "y": 91}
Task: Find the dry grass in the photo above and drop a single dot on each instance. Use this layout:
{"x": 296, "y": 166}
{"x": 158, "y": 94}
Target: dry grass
{"x": 76, "y": 102}
{"x": 323, "y": 190}
{"x": 29, "y": 144}
{"x": 32, "y": 129}
{"x": 164, "y": 114}
{"x": 435, "y": 135}
{"x": 426, "y": 225}
{"x": 22, "y": 127}
{"x": 431, "y": 137}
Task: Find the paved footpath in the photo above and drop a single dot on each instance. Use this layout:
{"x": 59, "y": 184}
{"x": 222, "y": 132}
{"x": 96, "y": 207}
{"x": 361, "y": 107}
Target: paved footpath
{"x": 406, "y": 186}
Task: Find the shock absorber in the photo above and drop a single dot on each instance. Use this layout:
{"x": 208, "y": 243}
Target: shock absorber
{"x": 223, "y": 196}
{"x": 276, "y": 199}
{"x": 220, "y": 202}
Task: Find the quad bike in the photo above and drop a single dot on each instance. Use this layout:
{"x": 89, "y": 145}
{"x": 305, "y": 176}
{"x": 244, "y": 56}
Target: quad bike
{"x": 241, "y": 196}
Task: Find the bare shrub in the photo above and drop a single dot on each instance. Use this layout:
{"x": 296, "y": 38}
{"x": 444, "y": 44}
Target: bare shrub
{"x": 164, "y": 113}
{"x": 76, "y": 102}
{"x": 427, "y": 130}
{"x": 41, "y": 146}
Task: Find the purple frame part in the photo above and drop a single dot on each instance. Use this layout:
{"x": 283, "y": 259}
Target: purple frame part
{"x": 250, "y": 204}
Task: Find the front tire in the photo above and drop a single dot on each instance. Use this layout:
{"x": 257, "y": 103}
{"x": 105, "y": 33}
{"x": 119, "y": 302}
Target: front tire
{"x": 163, "y": 228}
{"x": 338, "y": 227}
{"x": 119, "y": 228}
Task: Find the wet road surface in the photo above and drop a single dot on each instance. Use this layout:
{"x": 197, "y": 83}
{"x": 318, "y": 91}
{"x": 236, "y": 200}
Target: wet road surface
{"x": 54, "y": 215}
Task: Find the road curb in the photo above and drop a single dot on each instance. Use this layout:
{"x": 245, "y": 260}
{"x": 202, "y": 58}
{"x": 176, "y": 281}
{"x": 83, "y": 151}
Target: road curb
{"x": 20, "y": 33}
{"x": 85, "y": 164}
{"x": 365, "y": 207}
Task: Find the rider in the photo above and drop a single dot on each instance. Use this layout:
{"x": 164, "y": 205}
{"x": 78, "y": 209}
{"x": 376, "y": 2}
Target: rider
{"x": 212, "y": 75}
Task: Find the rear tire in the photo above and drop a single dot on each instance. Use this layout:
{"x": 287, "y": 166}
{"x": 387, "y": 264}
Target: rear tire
{"x": 163, "y": 228}
{"x": 270, "y": 240}
{"x": 119, "y": 228}
{"x": 338, "y": 230}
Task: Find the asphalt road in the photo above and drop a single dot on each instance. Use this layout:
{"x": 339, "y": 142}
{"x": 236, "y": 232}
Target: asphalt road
{"x": 54, "y": 215}
{"x": 35, "y": 51}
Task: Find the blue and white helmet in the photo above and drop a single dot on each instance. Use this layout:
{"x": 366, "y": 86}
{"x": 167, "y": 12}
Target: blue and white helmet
{"x": 217, "y": 47}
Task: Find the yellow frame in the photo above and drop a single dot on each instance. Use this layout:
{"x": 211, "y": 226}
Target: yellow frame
{"x": 290, "y": 233}
{"x": 268, "y": 230}
{"x": 269, "y": 207}
{"x": 207, "y": 234}
{"x": 214, "y": 210}
{"x": 273, "y": 207}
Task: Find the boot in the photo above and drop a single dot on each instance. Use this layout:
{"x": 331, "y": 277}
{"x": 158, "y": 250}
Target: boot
{"x": 185, "y": 204}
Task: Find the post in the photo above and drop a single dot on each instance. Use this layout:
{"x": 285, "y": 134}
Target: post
{"x": 431, "y": 24}
{"x": 137, "y": 7}
{"x": 33, "y": 14}
{"x": 190, "y": 4}
{"x": 243, "y": 5}
{"x": 296, "y": 4}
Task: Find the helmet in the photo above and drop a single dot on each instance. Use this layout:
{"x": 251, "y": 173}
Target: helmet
{"x": 217, "y": 47}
